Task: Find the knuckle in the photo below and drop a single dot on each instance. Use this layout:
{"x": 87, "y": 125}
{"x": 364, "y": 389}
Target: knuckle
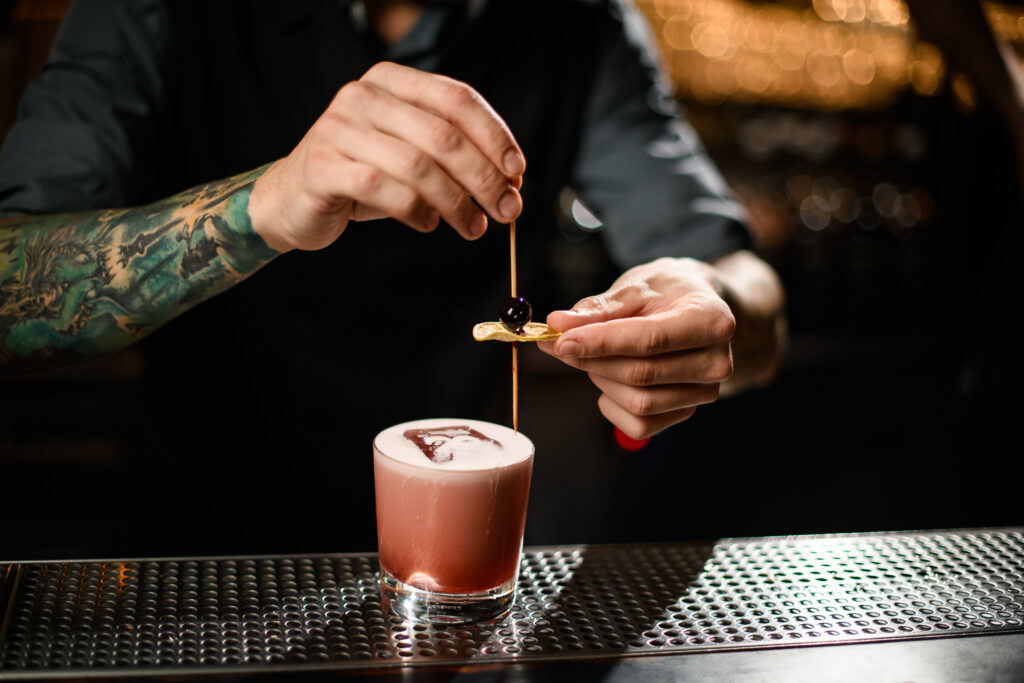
{"x": 315, "y": 162}
{"x": 590, "y": 303}
{"x": 629, "y": 291}
{"x": 340, "y": 97}
{"x": 491, "y": 179}
{"x": 724, "y": 326}
{"x": 407, "y": 206}
{"x": 720, "y": 367}
{"x": 365, "y": 181}
{"x": 595, "y": 345}
{"x": 641, "y": 403}
{"x": 380, "y": 69}
{"x": 641, "y": 373}
{"x": 654, "y": 341}
{"x": 352, "y": 92}
{"x": 458, "y": 93}
{"x": 444, "y": 137}
{"x": 329, "y": 122}
{"x": 415, "y": 164}
{"x": 454, "y": 203}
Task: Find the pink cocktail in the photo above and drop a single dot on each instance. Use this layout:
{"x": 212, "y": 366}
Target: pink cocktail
{"x": 451, "y": 508}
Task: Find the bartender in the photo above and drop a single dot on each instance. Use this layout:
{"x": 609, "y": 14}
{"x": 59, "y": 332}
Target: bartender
{"x": 282, "y": 162}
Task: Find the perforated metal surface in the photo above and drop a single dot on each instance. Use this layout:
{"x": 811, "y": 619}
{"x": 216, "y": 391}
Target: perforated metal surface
{"x": 219, "y": 614}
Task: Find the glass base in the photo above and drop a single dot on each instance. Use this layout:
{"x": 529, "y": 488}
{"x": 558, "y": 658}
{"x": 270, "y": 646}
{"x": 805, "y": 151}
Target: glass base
{"x": 416, "y": 604}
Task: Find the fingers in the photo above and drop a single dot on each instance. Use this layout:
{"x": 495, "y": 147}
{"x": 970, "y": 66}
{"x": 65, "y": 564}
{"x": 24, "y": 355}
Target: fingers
{"x": 657, "y": 344}
{"x": 369, "y": 187}
{"x": 658, "y": 400}
{"x": 452, "y": 125}
{"x": 675, "y": 329}
{"x": 645, "y": 313}
{"x": 708, "y": 365}
{"x": 644, "y": 396}
{"x": 459, "y": 104}
{"x": 637, "y": 427}
{"x": 420, "y": 185}
{"x": 398, "y": 142}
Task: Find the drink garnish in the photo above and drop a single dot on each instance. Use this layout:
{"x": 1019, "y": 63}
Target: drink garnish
{"x": 515, "y": 312}
{"x": 532, "y": 332}
{"x": 514, "y": 318}
{"x": 514, "y": 325}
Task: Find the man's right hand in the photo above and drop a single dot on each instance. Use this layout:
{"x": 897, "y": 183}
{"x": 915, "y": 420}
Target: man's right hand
{"x": 397, "y": 143}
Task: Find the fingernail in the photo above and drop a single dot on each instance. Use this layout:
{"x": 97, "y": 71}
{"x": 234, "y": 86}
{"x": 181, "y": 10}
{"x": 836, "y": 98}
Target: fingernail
{"x": 568, "y": 349}
{"x": 508, "y": 205}
{"x": 514, "y": 163}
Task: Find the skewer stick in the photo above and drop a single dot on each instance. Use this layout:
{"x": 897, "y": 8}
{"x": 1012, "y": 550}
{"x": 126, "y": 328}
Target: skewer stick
{"x": 515, "y": 354}
{"x": 512, "y": 250}
{"x": 515, "y": 389}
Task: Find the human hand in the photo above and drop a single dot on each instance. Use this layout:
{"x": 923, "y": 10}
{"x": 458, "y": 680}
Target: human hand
{"x": 397, "y": 143}
{"x": 657, "y": 343}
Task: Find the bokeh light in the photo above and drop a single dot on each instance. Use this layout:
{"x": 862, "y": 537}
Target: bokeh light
{"x": 831, "y": 54}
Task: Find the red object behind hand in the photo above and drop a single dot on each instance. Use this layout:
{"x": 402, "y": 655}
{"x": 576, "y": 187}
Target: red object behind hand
{"x": 629, "y": 443}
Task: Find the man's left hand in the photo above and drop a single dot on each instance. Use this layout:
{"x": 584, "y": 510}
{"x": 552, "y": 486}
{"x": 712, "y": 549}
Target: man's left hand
{"x": 656, "y": 344}
{"x": 672, "y": 334}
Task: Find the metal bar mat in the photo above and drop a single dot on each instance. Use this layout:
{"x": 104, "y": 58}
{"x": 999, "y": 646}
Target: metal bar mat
{"x": 207, "y": 615}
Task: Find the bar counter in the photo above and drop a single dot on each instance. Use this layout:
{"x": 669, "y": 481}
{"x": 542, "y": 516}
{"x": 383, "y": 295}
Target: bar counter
{"x": 921, "y": 605}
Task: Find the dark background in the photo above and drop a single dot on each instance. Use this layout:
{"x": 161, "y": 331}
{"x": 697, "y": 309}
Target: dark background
{"x": 895, "y": 224}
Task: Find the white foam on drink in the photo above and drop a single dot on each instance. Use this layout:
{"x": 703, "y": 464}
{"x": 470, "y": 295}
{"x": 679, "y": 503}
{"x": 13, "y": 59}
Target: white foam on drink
{"x": 455, "y": 449}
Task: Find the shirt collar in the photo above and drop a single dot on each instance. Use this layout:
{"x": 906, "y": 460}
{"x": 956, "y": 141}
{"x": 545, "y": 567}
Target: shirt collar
{"x": 424, "y": 37}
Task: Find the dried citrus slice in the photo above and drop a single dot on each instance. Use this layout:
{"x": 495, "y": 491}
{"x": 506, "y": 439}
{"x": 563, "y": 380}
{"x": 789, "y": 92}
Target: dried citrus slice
{"x": 532, "y": 332}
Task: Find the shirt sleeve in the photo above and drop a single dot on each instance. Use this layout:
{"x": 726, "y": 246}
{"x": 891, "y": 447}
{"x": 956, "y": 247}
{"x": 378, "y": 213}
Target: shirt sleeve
{"x": 85, "y": 124}
{"x": 642, "y": 169}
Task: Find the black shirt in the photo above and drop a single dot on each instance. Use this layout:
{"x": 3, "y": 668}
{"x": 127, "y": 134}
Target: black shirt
{"x": 129, "y": 82}
{"x": 265, "y": 399}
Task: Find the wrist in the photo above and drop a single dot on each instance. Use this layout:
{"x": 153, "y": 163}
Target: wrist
{"x": 754, "y": 293}
{"x": 244, "y": 248}
{"x": 263, "y": 209}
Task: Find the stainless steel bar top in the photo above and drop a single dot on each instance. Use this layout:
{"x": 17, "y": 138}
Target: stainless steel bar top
{"x": 577, "y": 606}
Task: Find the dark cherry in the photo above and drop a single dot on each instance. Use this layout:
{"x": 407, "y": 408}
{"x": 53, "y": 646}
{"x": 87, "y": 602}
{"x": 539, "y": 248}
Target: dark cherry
{"x": 515, "y": 312}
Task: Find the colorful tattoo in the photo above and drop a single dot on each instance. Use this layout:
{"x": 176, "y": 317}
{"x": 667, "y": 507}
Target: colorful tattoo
{"x": 75, "y": 286}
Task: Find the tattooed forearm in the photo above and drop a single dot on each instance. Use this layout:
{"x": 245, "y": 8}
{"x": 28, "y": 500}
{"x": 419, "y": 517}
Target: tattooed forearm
{"x": 74, "y": 286}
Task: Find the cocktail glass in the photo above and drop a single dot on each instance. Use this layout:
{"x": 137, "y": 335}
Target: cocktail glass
{"x": 451, "y": 500}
